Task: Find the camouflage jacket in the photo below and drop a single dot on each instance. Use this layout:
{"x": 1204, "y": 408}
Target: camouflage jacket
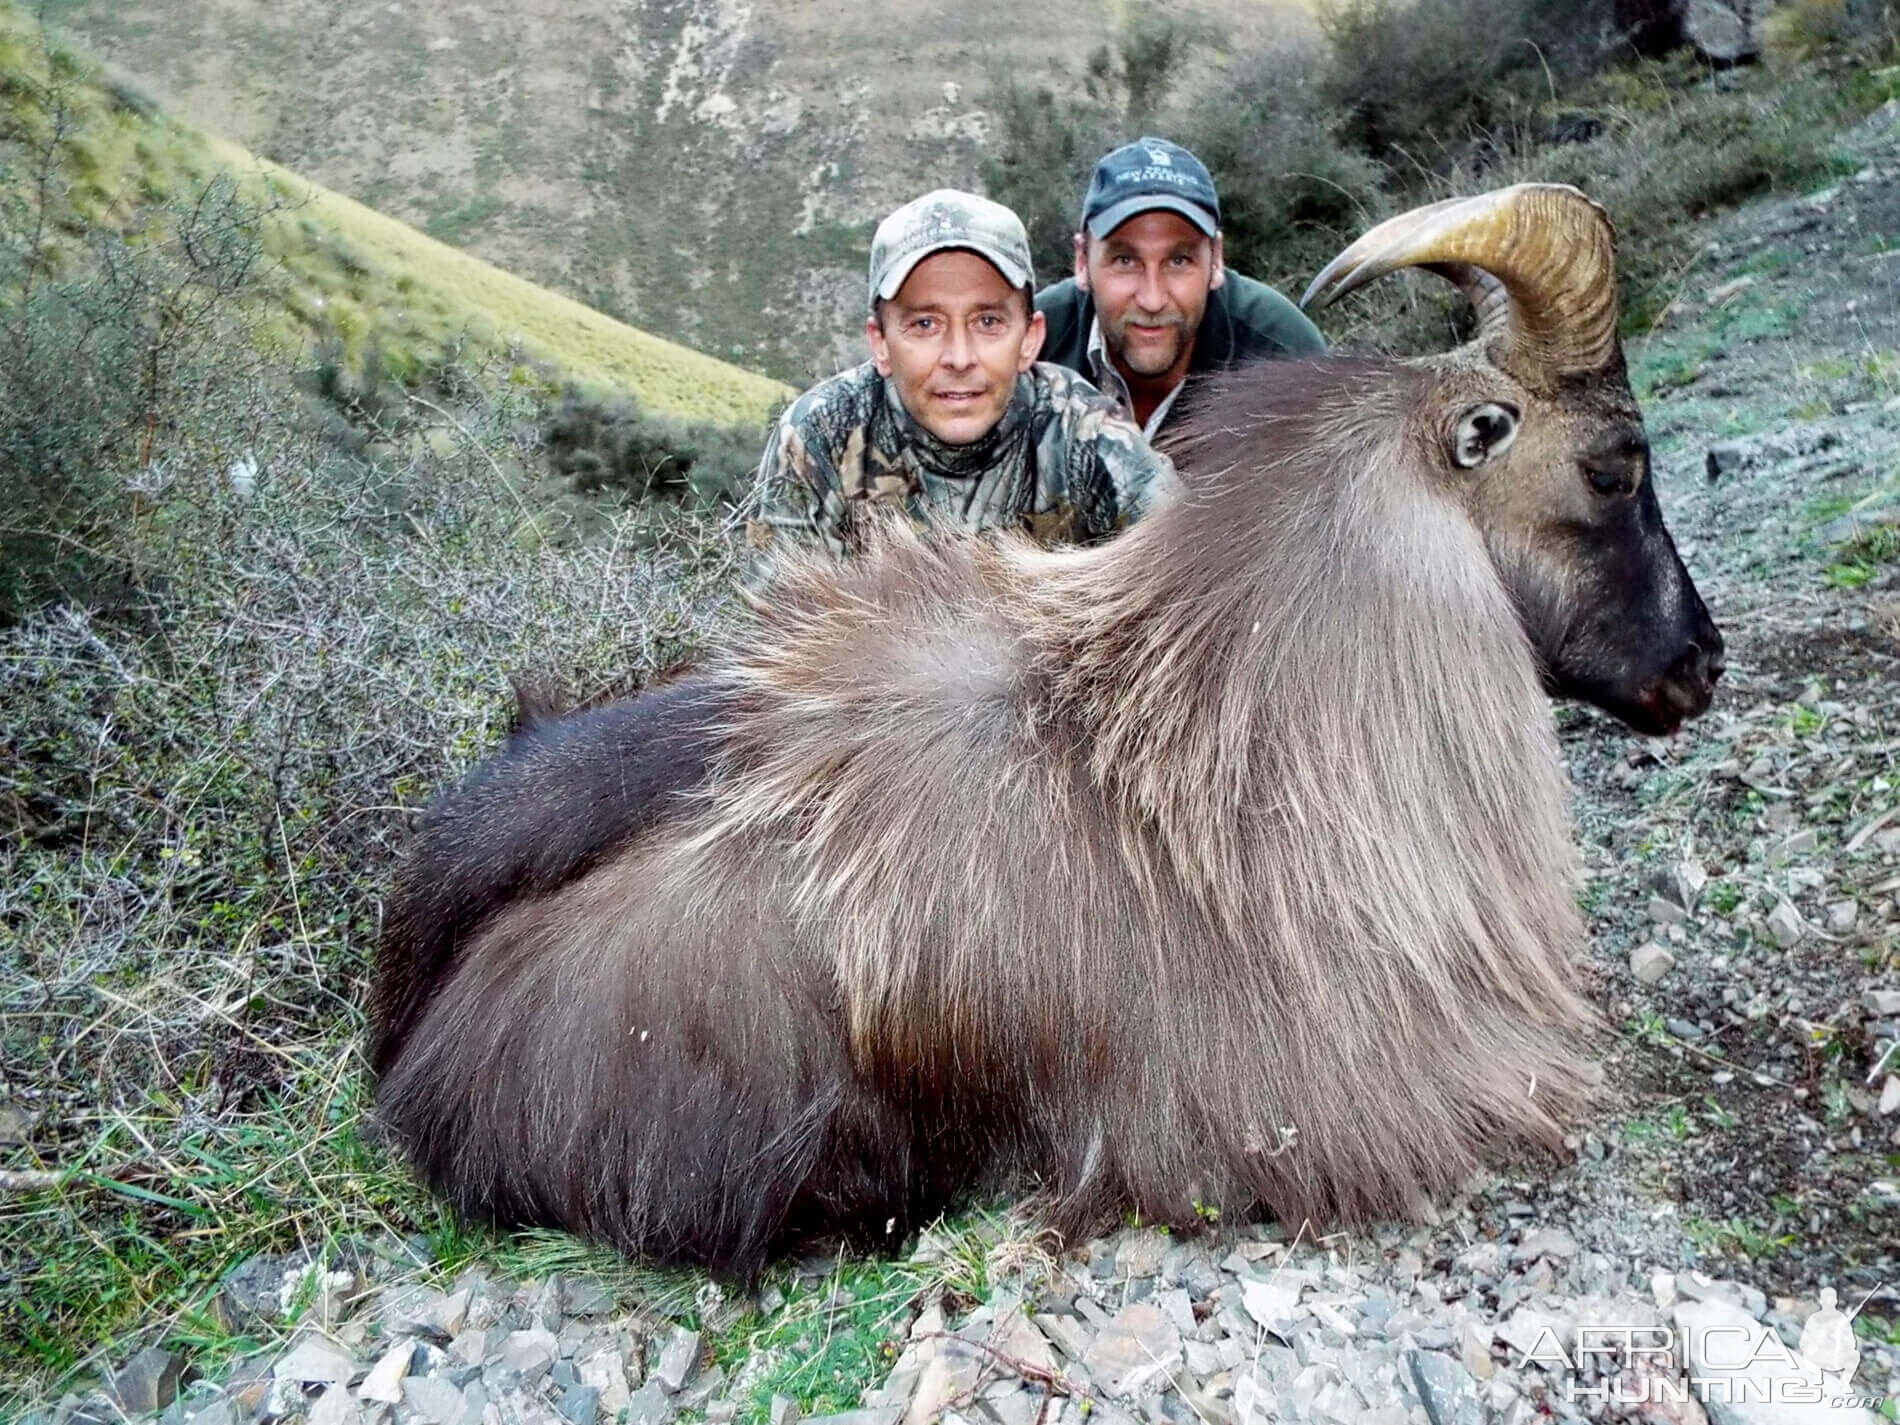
{"x": 1063, "y": 465}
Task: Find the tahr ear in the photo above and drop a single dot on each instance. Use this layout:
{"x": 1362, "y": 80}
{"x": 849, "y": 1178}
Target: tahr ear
{"x": 1483, "y": 433}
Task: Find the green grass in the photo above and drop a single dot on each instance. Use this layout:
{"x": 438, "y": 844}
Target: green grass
{"x": 118, "y": 1247}
{"x": 838, "y": 1335}
{"x": 1736, "y": 1237}
{"x": 1664, "y": 368}
{"x": 197, "y": 877}
{"x": 1863, "y": 558}
{"x": 453, "y": 221}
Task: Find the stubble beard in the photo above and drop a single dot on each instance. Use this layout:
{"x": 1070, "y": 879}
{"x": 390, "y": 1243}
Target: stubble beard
{"x": 1149, "y": 361}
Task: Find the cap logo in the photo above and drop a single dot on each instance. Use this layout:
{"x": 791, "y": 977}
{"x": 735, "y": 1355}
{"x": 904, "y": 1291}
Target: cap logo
{"x": 1161, "y": 156}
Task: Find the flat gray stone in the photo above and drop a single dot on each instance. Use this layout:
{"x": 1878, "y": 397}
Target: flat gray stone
{"x": 580, "y": 1404}
{"x": 333, "y": 1407}
{"x": 411, "y": 1311}
{"x": 434, "y": 1399}
{"x": 1649, "y": 962}
{"x": 1724, "y": 1343}
{"x": 606, "y": 1372}
{"x": 248, "y": 1295}
{"x": 529, "y": 1353}
{"x": 1545, "y": 1242}
{"x": 1882, "y": 1004}
{"x": 1071, "y": 1336}
{"x": 649, "y": 1405}
{"x": 451, "y": 1314}
{"x": 1274, "y": 1305}
{"x": 679, "y": 1359}
{"x": 384, "y": 1382}
{"x": 1140, "y": 1251}
{"x": 1135, "y": 1354}
{"x": 316, "y": 1359}
{"x": 582, "y": 1296}
{"x": 1446, "y": 1389}
{"x": 148, "y": 1382}
{"x": 1019, "y": 1405}
{"x": 702, "y": 1389}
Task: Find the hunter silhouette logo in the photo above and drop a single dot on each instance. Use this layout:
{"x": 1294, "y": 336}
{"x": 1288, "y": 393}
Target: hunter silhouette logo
{"x": 1827, "y": 1341}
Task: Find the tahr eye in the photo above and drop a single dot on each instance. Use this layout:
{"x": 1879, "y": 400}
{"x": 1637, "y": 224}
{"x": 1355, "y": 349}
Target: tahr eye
{"x": 1608, "y": 482}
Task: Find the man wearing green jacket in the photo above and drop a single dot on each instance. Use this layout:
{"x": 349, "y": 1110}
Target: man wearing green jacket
{"x": 1152, "y": 303}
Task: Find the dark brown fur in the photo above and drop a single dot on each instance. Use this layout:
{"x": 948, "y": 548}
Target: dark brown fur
{"x": 1223, "y": 864}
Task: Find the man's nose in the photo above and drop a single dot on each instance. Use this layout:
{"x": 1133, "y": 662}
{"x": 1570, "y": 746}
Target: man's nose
{"x": 1151, "y": 296}
{"x": 959, "y": 351}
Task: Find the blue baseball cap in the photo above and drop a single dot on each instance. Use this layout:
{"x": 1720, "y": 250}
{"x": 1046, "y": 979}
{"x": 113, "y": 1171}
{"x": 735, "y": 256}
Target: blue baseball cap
{"x": 1147, "y": 174}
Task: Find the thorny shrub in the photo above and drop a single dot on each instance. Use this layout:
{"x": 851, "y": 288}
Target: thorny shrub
{"x": 199, "y": 802}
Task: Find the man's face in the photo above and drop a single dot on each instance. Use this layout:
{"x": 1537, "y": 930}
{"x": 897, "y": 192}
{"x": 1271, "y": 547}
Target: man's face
{"x": 1150, "y": 278}
{"x": 954, "y": 339}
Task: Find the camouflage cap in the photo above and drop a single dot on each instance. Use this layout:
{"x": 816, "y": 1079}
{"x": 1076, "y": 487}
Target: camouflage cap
{"x": 947, "y": 219}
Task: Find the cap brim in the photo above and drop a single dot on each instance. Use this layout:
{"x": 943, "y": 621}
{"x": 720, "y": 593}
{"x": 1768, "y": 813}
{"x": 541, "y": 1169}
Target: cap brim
{"x": 894, "y": 278}
{"x": 1112, "y": 217}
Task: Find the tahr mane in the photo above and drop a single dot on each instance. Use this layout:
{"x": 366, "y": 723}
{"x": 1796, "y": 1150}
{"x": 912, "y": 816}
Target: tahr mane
{"x": 1300, "y": 731}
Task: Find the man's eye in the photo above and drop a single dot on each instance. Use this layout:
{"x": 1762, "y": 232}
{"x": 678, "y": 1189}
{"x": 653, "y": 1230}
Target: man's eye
{"x": 990, "y": 321}
{"x": 923, "y": 324}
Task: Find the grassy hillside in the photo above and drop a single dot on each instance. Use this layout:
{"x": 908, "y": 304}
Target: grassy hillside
{"x": 349, "y": 274}
{"x": 707, "y": 169}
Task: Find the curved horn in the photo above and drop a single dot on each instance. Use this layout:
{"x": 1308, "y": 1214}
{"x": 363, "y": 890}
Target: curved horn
{"x": 1537, "y": 260}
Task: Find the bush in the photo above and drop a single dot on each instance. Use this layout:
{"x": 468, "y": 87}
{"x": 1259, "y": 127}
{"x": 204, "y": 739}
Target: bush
{"x": 1418, "y": 82}
{"x": 199, "y": 802}
{"x": 601, "y": 445}
{"x": 1691, "y": 148}
{"x": 1049, "y": 146}
{"x": 1040, "y": 166}
{"x": 1807, "y": 29}
{"x": 116, "y": 369}
{"x": 123, "y": 344}
{"x": 1292, "y": 194}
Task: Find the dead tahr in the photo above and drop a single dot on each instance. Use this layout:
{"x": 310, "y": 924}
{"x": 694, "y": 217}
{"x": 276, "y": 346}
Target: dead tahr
{"x": 1223, "y": 864}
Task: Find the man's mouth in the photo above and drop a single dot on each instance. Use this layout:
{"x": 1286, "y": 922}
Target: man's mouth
{"x": 958, "y": 397}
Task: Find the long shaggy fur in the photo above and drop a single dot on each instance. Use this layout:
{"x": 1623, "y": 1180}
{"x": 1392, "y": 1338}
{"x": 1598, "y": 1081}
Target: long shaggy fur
{"x": 1226, "y": 863}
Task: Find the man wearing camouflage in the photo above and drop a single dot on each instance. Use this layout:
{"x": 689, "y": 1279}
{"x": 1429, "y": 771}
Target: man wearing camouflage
{"x": 953, "y": 420}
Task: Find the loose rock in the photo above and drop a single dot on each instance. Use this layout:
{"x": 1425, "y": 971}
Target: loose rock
{"x": 1649, "y": 962}
{"x": 313, "y": 1359}
{"x": 147, "y": 1382}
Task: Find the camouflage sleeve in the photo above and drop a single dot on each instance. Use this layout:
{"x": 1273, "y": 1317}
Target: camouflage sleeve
{"x": 1141, "y": 475}
{"x": 798, "y": 495}
{"x": 1113, "y": 449}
